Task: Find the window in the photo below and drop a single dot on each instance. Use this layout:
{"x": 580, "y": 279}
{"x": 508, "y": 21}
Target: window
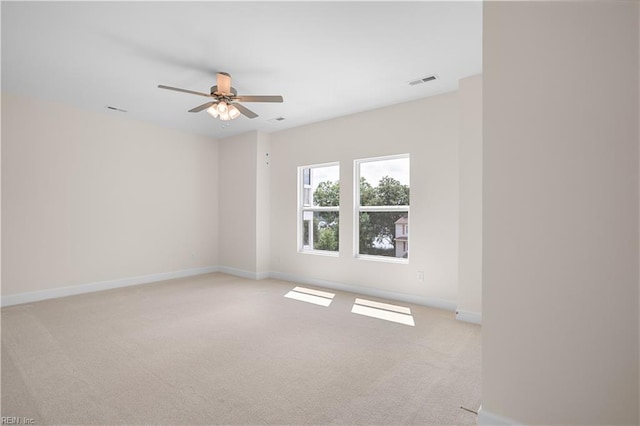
{"x": 319, "y": 208}
{"x": 382, "y": 207}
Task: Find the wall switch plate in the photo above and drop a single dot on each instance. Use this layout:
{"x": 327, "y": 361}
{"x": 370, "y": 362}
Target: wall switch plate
{"x": 420, "y": 276}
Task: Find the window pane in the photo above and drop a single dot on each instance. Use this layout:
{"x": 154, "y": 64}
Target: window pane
{"x": 306, "y": 177}
{"x": 384, "y": 234}
{"x": 305, "y": 234}
{"x": 384, "y": 182}
{"x": 306, "y": 197}
{"x": 320, "y": 231}
{"x": 325, "y": 186}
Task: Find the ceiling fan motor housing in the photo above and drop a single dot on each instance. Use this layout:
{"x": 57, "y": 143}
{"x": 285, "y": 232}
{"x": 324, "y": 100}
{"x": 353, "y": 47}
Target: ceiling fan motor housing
{"x": 214, "y": 89}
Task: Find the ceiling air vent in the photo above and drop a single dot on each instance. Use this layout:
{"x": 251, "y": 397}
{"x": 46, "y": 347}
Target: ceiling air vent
{"x": 114, "y": 109}
{"x": 422, "y": 80}
{"x": 276, "y": 120}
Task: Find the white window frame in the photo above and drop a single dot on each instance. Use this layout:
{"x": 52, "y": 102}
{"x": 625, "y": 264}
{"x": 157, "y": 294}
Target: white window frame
{"x": 302, "y": 208}
{"x": 357, "y": 209}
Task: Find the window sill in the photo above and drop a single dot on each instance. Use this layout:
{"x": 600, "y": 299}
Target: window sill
{"x": 319, "y": 252}
{"x": 385, "y": 259}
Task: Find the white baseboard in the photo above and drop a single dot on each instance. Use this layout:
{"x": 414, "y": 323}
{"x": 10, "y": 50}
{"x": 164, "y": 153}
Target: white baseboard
{"x": 35, "y": 296}
{"x": 244, "y": 274}
{"x": 486, "y": 418}
{"x": 262, "y": 275}
{"x": 367, "y": 291}
{"x": 466, "y": 316}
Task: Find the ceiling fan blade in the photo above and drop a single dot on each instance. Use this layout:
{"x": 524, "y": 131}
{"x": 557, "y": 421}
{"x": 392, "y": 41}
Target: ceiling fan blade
{"x": 184, "y": 91}
{"x": 245, "y": 111}
{"x": 202, "y": 107}
{"x": 245, "y": 98}
{"x": 224, "y": 82}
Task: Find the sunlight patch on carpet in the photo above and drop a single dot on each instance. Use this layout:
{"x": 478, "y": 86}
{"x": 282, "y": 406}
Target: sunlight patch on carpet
{"x": 310, "y": 295}
{"x": 383, "y": 311}
{"x": 324, "y": 294}
{"x": 385, "y": 306}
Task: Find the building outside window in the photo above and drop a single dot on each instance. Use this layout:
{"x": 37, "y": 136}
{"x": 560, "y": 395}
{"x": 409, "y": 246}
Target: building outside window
{"x": 382, "y": 207}
{"x": 319, "y": 208}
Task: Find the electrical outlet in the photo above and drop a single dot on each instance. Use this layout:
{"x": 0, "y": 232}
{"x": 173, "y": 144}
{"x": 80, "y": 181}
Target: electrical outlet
{"x": 420, "y": 276}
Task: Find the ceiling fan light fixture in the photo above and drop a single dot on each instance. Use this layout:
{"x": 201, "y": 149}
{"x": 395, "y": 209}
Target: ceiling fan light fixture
{"x": 213, "y": 111}
{"x": 233, "y": 112}
{"x": 223, "y": 111}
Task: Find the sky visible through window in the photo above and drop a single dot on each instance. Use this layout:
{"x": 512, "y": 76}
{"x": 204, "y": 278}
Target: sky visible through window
{"x": 397, "y": 168}
{"x": 323, "y": 174}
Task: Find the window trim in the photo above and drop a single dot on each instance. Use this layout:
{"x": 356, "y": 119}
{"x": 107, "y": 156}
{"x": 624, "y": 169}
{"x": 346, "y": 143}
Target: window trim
{"x": 302, "y": 208}
{"x": 357, "y": 209}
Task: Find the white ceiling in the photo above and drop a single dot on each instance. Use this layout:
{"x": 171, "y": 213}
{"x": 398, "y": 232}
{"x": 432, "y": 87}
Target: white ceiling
{"x": 326, "y": 59}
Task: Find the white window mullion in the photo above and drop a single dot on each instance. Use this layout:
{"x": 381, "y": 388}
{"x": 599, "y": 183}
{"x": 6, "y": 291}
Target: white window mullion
{"x": 383, "y": 208}
{"x": 321, "y": 209}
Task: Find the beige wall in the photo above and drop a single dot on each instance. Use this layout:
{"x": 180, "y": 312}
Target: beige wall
{"x": 261, "y": 192}
{"x": 89, "y": 197}
{"x": 263, "y": 203}
{"x": 244, "y": 204}
{"x": 237, "y": 207}
{"x": 560, "y": 299}
{"x": 96, "y": 197}
{"x": 428, "y": 130}
{"x": 470, "y": 239}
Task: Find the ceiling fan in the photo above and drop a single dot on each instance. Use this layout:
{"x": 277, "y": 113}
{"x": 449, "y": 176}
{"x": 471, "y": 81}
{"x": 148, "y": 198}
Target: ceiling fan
{"x": 225, "y": 104}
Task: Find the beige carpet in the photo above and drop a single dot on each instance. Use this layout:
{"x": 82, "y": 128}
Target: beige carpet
{"x": 217, "y": 349}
